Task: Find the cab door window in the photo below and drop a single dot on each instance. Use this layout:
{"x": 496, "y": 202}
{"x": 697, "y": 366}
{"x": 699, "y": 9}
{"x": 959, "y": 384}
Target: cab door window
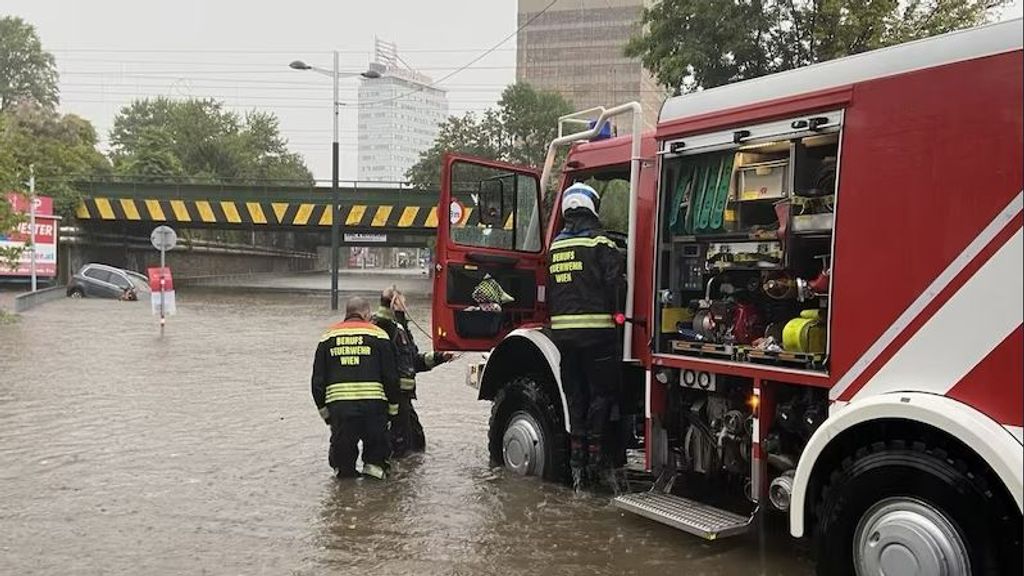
{"x": 494, "y": 208}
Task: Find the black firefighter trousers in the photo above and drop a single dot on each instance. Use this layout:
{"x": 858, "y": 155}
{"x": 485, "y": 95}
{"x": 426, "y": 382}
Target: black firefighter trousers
{"x": 352, "y": 421}
{"x": 590, "y": 367}
{"x": 406, "y": 431}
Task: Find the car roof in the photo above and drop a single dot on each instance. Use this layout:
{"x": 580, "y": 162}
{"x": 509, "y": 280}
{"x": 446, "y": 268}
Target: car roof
{"x": 106, "y": 267}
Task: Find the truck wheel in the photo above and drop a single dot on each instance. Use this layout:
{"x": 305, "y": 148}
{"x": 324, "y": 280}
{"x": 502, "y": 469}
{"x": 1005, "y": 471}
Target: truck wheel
{"x": 76, "y": 293}
{"x": 527, "y": 434}
{"x": 901, "y": 507}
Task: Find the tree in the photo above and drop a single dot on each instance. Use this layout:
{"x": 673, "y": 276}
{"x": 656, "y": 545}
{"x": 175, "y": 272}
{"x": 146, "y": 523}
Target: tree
{"x": 198, "y": 140}
{"x": 693, "y": 44}
{"x": 518, "y": 131}
{"x": 62, "y": 148}
{"x": 9, "y": 220}
{"x": 27, "y": 72}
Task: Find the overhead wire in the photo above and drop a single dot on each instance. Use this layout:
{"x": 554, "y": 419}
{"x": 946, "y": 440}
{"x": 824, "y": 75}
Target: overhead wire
{"x": 469, "y": 64}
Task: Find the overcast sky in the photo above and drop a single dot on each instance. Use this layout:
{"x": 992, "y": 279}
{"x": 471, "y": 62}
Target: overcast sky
{"x": 110, "y": 51}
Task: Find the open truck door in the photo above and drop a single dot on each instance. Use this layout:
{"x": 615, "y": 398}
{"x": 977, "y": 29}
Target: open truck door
{"x": 489, "y": 274}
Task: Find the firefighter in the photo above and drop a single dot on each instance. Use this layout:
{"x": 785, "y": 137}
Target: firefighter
{"x": 585, "y": 284}
{"x": 355, "y": 388}
{"x": 406, "y": 431}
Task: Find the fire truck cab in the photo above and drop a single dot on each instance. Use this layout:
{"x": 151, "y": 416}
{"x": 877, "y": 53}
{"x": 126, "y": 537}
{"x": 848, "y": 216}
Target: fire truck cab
{"x": 824, "y": 317}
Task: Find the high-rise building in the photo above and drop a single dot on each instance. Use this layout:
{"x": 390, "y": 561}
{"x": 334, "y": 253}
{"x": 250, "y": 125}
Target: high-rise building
{"x": 576, "y": 49}
{"x": 399, "y": 117}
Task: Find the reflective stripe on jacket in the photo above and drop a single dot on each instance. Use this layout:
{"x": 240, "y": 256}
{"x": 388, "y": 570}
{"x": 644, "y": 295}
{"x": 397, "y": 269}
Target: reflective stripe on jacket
{"x": 584, "y": 280}
{"x": 354, "y": 361}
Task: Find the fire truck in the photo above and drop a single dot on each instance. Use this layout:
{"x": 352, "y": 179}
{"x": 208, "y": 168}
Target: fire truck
{"x": 824, "y": 308}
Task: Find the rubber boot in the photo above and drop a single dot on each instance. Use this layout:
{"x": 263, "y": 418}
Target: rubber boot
{"x": 577, "y": 461}
{"x": 601, "y": 471}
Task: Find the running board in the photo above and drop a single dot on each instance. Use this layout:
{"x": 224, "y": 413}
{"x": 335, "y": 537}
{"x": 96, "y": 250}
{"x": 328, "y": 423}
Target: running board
{"x": 687, "y": 515}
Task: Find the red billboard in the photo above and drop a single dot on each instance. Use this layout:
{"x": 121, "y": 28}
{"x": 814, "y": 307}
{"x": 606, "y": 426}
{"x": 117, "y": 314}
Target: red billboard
{"x": 46, "y": 238}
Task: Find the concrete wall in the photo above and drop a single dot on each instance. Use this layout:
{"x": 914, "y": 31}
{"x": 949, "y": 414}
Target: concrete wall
{"x": 184, "y": 263}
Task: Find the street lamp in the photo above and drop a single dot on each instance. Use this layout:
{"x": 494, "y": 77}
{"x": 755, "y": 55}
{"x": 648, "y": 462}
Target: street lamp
{"x": 335, "y": 197}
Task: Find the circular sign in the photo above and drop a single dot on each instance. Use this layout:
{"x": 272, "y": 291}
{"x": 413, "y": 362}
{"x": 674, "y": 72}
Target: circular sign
{"x": 163, "y": 238}
{"x": 455, "y": 212}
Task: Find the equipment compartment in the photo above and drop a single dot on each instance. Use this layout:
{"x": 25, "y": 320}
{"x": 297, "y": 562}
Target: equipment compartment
{"x": 745, "y": 247}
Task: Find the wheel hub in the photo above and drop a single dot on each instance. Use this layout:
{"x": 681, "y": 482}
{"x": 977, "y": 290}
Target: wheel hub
{"x": 523, "y": 445}
{"x": 908, "y": 536}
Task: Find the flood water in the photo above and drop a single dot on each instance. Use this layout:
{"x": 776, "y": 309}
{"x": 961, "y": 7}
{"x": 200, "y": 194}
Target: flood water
{"x": 202, "y": 453}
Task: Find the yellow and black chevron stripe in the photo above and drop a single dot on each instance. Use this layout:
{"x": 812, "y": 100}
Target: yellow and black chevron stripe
{"x": 202, "y": 212}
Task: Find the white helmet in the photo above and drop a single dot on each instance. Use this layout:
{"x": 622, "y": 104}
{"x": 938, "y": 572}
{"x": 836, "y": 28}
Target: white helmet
{"x": 579, "y": 195}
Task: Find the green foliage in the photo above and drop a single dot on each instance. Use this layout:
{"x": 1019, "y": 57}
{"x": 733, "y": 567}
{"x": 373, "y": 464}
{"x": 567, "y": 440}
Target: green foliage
{"x": 198, "y": 140}
{"x": 9, "y": 220}
{"x": 692, "y": 44}
{"x": 517, "y": 131}
{"x": 61, "y": 147}
{"x": 614, "y": 211}
{"x": 27, "y": 72}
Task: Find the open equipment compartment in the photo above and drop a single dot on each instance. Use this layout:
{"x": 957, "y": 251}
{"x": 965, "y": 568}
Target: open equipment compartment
{"x": 745, "y": 243}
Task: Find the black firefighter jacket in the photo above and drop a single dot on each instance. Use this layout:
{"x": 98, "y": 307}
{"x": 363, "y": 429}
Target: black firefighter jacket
{"x": 355, "y": 361}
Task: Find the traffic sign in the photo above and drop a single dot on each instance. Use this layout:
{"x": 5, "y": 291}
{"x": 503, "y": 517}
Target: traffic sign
{"x": 163, "y": 238}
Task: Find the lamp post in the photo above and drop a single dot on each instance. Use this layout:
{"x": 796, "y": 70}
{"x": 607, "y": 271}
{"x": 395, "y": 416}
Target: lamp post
{"x": 336, "y": 75}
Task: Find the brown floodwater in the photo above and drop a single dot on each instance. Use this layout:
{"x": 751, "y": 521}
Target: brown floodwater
{"x": 201, "y": 453}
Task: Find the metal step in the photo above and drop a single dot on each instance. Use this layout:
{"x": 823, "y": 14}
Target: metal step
{"x": 687, "y": 515}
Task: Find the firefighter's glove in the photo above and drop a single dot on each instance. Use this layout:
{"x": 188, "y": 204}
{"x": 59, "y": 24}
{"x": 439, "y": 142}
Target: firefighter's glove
{"x": 326, "y": 415}
{"x": 442, "y": 357}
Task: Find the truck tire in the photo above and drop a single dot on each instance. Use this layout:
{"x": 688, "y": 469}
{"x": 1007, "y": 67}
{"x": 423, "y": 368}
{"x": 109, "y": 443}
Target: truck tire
{"x": 911, "y": 507}
{"x": 76, "y": 293}
{"x": 527, "y": 433}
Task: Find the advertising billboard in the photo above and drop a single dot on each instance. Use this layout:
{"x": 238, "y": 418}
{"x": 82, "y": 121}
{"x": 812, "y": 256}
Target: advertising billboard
{"x": 46, "y": 238}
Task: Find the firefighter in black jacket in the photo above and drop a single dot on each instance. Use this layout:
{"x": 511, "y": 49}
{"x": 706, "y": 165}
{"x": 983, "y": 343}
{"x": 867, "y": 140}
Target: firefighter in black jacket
{"x": 585, "y": 283}
{"x": 406, "y": 431}
{"x": 355, "y": 387}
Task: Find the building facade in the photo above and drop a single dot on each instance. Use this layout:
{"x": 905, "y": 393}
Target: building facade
{"x": 576, "y": 49}
{"x": 399, "y": 116}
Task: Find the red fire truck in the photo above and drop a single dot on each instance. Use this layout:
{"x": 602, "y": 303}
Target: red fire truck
{"x": 824, "y": 315}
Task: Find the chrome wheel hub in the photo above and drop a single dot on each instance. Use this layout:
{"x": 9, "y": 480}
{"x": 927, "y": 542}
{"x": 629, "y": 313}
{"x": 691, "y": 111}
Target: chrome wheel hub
{"x": 523, "y": 445}
{"x": 905, "y": 536}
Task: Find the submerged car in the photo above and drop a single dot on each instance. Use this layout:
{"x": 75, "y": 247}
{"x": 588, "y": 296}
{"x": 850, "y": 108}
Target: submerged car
{"x": 102, "y": 281}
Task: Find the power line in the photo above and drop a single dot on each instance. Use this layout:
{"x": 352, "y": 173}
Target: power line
{"x": 481, "y": 56}
{"x": 279, "y": 51}
{"x": 126, "y": 99}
